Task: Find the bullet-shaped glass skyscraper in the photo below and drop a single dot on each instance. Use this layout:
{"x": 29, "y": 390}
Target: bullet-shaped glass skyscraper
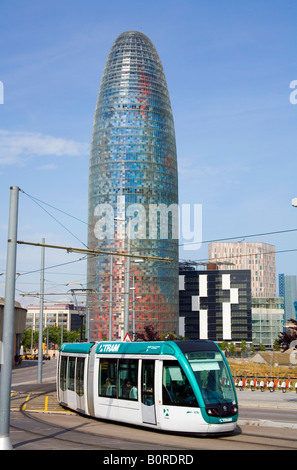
{"x": 133, "y": 195}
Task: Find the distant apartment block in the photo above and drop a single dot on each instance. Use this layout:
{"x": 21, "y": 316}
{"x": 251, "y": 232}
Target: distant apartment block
{"x": 288, "y": 290}
{"x": 258, "y": 257}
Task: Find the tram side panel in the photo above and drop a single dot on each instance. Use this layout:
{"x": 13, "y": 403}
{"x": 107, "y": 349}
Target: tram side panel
{"x": 115, "y": 389}
{"x": 160, "y": 401}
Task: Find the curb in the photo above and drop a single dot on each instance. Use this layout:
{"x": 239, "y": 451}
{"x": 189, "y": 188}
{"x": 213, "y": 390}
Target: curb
{"x": 266, "y": 423}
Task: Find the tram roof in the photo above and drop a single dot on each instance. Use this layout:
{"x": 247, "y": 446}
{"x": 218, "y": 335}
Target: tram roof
{"x": 82, "y": 348}
{"x": 157, "y": 348}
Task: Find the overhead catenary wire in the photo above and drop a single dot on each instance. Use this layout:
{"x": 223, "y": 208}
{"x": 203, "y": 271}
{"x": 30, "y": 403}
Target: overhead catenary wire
{"x": 242, "y": 255}
{"x": 53, "y": 217}
{"x": 53, "y": 207}
{"x": 96, "y": 252}
{"x": 276, "y": 232}
{"x": 39, "y": 202}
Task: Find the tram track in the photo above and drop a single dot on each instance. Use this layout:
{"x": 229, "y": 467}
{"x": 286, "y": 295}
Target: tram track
{"x": 46, "y": 433}
{"x": 72, "y": 437}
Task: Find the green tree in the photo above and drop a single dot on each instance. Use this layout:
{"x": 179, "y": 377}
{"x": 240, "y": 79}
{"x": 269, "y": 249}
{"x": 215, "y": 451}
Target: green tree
{"x": 27, "y": 338}
{"x": 54, "y": 336}
{"x": 231, "y": 348}
{"x": 223, "y": 346}
{"x": 276, "y": 345}
{"x": 243, "y": 346}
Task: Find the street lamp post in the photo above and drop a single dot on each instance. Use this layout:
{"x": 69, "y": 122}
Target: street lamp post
{"x": 110, "y": 300}
{"x": 127, "y": 286}
{"x": 133, "y": 288}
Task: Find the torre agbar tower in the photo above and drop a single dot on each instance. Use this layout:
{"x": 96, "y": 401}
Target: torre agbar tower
{"x": 133, "y": 196}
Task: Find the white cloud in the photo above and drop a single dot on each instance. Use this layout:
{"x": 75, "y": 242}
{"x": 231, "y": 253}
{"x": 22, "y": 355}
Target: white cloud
{"x": 18, "y": 147}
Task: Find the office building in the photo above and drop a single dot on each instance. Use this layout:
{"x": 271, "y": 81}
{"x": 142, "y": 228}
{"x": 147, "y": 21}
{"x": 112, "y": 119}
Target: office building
{"x": 66, "y": 316}
{"x": 258, "y": 257}
{"x": 132, "y": 184}
{"x": 215, "y": 304}
{"x": 288, "y": 290}
{"x": 267, "y": 320}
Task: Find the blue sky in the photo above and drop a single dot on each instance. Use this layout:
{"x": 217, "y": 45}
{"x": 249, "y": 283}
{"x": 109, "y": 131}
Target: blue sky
{"x": 228, "y": 65}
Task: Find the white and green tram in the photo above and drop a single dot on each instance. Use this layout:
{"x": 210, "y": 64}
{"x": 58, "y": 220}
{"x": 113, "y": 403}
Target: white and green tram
{"x": 180, "y": 386}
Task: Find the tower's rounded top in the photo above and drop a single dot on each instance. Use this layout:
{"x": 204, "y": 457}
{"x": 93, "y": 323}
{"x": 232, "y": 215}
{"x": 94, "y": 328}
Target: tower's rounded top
{"x": 132, "y": 34}
{"x": 136, "y": 37}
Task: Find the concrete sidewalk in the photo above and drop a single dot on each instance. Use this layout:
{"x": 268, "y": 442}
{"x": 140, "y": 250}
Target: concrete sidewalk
{"x": 267, "y": 399}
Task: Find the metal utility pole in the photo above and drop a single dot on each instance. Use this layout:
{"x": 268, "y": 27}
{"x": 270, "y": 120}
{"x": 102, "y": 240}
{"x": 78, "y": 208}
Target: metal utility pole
{"x": 40, "y": 344}
{"x": 8, "y": 321}
{"x": 110, "y": 301}
{"x": 127, "y": 285}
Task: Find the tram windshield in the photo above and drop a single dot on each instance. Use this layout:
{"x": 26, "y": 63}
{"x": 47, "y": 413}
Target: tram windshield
{"x": 212, "y": 375}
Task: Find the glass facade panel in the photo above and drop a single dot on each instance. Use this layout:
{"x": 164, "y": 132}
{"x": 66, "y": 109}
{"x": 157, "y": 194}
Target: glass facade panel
{"x": 133, "y": 161}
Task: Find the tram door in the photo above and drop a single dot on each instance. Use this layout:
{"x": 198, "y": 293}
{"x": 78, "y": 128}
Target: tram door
{"x": 148, "y": 392}
{"x": 79, "y": 384}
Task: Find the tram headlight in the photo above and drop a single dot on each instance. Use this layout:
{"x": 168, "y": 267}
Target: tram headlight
{"x": 223, "y": 410}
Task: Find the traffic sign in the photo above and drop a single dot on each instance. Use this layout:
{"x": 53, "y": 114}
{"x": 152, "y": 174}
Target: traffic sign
{"x": 127, "y": 338}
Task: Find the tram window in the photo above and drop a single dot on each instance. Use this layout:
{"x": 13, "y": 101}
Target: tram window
{"x": 128, "y": 373}
{"x": 63, "y": 373}
{"x": 107, "y": 378}
{"x": 212, "y": 376}
{"x": 176, "y": 387}
{"x": 80, "y": 366}
{"x": 147, "y": 382}
{"x": 71, "y": 370}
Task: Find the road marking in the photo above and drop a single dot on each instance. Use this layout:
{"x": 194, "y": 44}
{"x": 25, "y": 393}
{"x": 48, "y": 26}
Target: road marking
{"x": 27, "y": 399}
{"x": 37, "y": 404}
